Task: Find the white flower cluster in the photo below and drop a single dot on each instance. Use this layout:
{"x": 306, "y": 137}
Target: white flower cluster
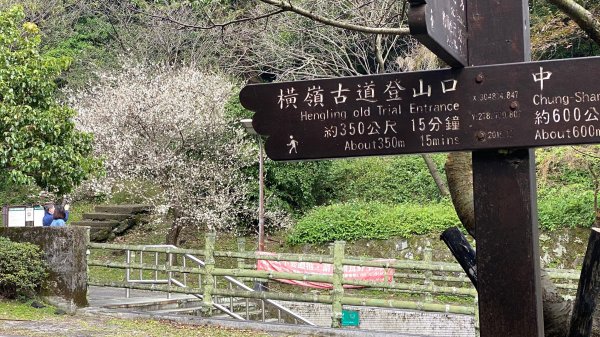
{"x": 163, "y": 134}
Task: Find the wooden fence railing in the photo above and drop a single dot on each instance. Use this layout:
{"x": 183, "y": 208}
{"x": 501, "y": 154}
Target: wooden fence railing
{"x": 437, "y": 285}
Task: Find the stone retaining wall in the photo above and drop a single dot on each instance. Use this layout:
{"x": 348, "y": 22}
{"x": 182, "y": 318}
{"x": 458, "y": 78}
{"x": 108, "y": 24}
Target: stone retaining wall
{"x": 65, "y": 250}
{"x": 400, "y": 321}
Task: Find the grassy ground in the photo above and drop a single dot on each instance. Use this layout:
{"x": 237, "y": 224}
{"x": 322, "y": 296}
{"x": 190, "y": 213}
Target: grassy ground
{"x": 21, "y": 319}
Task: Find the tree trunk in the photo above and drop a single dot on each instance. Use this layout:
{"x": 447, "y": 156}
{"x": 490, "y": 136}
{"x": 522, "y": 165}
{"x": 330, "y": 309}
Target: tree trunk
{"x": 584, "y": 19}
{"x": 435, "y": 174}
{"x": 588, "y": 289}
{"x": 556, "y": 310}
{"x": 176, "y": 227}
{"x": 459, "y": 173}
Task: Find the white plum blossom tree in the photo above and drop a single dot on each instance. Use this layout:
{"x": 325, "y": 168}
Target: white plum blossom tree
{"x": 163, "y": 134}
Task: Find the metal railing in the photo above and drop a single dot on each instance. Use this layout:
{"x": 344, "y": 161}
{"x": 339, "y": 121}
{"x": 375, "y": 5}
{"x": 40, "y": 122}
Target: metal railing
{"x": 172, "y": 282}
{"x": 426, "y": 278}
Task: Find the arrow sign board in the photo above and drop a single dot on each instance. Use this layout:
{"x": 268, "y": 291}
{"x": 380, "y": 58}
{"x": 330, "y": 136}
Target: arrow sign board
{"x": 501, "y": 106}
{"x": 441, "y": 26}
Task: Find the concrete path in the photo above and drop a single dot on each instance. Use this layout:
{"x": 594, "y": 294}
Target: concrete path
{"x": 102, "y": 297}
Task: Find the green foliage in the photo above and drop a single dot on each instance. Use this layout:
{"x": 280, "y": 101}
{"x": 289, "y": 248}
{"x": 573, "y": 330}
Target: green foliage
{"x": 40, "y": 144}
{"x": 78, "y": 209}
{"x": 566, "y": 186}
{"x": 22, "y": 268}
{"x": 234, "y": 109}
{"x": 297, "y": 187}
{"x": 89, "y": 45}
{"x": 293, "y": 187}
{"x": 372, "y": 220}
{"x": 560, "y": 166}
{"x": 89, "y": 32}
{"x": 569, "y": 206}
{"x": 19, "y": 310}
{"x": 385, "y": 179}
{"x": 11, "y": 194}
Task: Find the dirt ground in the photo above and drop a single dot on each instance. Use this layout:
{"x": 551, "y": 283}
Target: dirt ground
{"x": 104, "y": 326}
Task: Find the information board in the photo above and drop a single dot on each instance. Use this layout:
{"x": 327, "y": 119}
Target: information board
{"x": 501, "y": 106}
{"x": 20, "y": 216}
{"x": 16, "y": 217}
{"x": 38, "y": 216}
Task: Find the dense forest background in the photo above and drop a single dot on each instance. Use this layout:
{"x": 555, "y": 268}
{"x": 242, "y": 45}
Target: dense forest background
{"x": 156, "y": 84}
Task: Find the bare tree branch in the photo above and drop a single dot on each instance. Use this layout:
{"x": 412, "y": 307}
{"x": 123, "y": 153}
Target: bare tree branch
{"x": 288, "y": 6}
{"x": 212, "y": 25}
{"x": 379, "y": 53}
{"x": 584, "y": 19}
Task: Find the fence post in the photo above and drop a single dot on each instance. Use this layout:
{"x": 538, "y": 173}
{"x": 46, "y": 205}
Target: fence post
{"x": 128, "y": 272}
{"x": 428, "y": 258}
{"x": 209, "y": 267}
{"x": 169, "y": 273}
{"x": 337, "y": 283}
{"x": 241, "y": 262}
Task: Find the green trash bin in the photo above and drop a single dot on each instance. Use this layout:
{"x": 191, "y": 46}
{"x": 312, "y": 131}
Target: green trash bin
{"x": 350, "y": 318}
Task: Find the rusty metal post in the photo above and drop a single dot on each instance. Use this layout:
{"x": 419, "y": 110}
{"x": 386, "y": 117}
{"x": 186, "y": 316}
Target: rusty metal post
{"x": 261, "y": 196}
{"x": 510, "y": 302}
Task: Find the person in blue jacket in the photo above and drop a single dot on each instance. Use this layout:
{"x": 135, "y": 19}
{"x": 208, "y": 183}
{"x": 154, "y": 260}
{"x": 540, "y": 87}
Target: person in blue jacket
{"x": 59, "y": 217}
{"x": 49, "y": 211}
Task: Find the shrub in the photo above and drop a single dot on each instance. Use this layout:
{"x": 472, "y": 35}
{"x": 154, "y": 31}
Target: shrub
{"x": 14, "y": 194}
{"x": 298, "y": 187}
{"x": 568, "y": 206}
{"x": 360, "y": 220}
{"x": 394, "y": 179}
{"x": 22, "y": 268}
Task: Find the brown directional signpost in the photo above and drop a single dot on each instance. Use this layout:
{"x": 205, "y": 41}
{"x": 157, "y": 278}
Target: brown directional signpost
{"x": 441, "y": 25}
{"x": 500, "y": 107}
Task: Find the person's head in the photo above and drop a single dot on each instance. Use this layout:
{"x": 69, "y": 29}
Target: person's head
{"x": 59, "y": 213}
{"x": 49, "y": 208}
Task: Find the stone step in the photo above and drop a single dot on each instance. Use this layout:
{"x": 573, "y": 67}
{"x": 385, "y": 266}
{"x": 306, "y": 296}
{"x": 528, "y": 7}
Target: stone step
{"x": 96, "y": 224}
{"x": 105, "y": 216}
{"x": 182, "y": 302}
{"x": 253, "y": 314}
{"x": 188, "y": 311}
{"x": 124, "y": 209}
{"x": 101, "y": 234}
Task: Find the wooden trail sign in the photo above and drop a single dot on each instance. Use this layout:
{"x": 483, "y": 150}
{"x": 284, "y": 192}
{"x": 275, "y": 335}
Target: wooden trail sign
{"x": 504, "y": 190}
{"x": 517, "y": 105}
{"x": 441, "y": 25}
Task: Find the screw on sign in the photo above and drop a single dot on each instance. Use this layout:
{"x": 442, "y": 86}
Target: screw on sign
{"x": 517, "y": 105}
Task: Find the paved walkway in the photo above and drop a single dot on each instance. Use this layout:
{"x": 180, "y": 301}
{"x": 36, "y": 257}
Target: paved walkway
{"x": 101, "y": 297}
